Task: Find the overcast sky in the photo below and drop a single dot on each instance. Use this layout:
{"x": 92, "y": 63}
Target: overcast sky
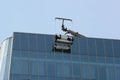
{"x": 92, "y": 18}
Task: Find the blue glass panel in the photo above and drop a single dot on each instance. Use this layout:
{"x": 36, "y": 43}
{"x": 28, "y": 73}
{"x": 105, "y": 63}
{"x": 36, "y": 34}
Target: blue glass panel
{"x": 20, "y": 77}
{"x": 101, "y": 72}
{"x": 75, "y": 48}
{"x": 108, "y": 48}
{"x": 33, "y": 42}
{"x": 84, "y": 72}
{"x": 100, "y": 60}
{"x": 116, "y": 46}
{"x": 16, "y": 66}
{"x": 50, "y": 69}
{"x": 35, "y": 67}
{"x": 24, "y": 54}
{"x": 16, "y": 41}
{"x": 83, "y": 46}
{"x": 67, "y": 57}
{"x": 75, "y": 58}
{"x": 92, "y": 72}
{"x": 67, "y": 70}
{"x": 84, "y": 58}
{"x": 34, "y": 77}
{"x": 49, "y": 41}
{"x": 110, "y": 73}
{"x": 76, "y": 70}
{"x": 59, "y": 69}
{"x": 41, "y": 42}
{"x": 91, "y": 47}
{"x": 117, "y": 60}
{"x": 51, "y": 78}
{"x": 41, "y": 68}
{"x": 92, "y": 59}
{"x": 117, "y": 73}
{"x": 16, "y": 53}
{"x": 109, "y": 60}
{"x": 100, "y": 47}
{"x": 24, "y": 39}
{"x": 25, "y": 66}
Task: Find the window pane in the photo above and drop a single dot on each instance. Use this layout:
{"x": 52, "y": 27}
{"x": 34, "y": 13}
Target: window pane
{"x": 75, "y": 47}
{"x": 24, "y": 41}
{"x": 91, "y": 47}
{"x": 100, "y": 47}
{"x": 110, "y": 73}
{"x": 33, "y": 42}
{"x": 50, "y": 69}
{"x": 76, "y": 70}
{"x": 83, "y": 46}
{"x": 116, "y": 46}
{"x": 41, "y": 42}
{"x": 49, "y": 41}
{"x": 108, "y": 48}
{"x": 92, "y": 72}
{"x": 16, "y": 66}
{"x": 101, "y": 72}
{"x": 16, "y": 42}
{"x": 84, "y": 72}
{"x": 117, "y": 73}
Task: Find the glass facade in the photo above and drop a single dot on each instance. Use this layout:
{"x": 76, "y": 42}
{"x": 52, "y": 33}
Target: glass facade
{"x": 33, "y": 58}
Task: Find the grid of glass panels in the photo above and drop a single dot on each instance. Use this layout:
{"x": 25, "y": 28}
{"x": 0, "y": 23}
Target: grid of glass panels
{"x": 90, "y": 59}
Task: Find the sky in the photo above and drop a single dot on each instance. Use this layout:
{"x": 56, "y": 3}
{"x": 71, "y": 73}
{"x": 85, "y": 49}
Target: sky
{"x": 92, "y": 18}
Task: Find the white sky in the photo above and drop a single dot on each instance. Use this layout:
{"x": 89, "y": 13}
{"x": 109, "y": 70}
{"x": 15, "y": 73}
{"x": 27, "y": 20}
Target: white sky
{"x": 92, "y": 18}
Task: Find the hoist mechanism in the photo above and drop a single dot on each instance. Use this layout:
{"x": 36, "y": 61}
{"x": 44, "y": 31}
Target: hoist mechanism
{"x": 68, "y": 31}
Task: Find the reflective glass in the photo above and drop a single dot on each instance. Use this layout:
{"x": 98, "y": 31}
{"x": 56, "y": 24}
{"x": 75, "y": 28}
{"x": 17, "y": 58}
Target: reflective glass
{"x": 83, "y": 46}
{"x": 60, "y": 70}
{"x": 116, "y": 47}
{"x": 110, "y": 73}
{"x": 67, "y": 70}
{"x": 108, "y": 48}
{"x": 49, "y": 41}
{"x": 100, "y": 47}
{"x": 76, "y": 70}
{"x": 101, "y": 71}
{"x": 35, "y": 67}
{"x": 92, "y": 72}
{"x": 41, "y": 42}
{"x": 50, "y": 69}
{"x": 91, "y": 47}
{"x": 75, "y": 47}
{"x": 16, "y": 41}
{"x": 33, "y": 42}
{"x": 16, "y": 66}
{"x": 117, "y": 73}
{"x": 24, "y": 41}
{"x": 117, "y": 61}
{"x": 84, "y": 72}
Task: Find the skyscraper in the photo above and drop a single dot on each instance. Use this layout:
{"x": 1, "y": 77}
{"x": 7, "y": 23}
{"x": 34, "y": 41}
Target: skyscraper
{"x": 29, "y": 56}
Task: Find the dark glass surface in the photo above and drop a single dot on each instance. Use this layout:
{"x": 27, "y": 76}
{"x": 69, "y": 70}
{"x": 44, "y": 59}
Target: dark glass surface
{"x": 101, "y": 71}
{"x": 75, "y": 48}
{"x": 16, "y": 39}
{"x": 90, "y": 59}
{"x": 41, "y": 42}
{"x": 117, "y": 73}
{"x": 49, "y": 41}
{"x": 108, "y": 48}
{"x": 100, "y": 47}
{"x": 91, "y": 47}
{"x": 24, "y": 41}
{"x": 33, "y": 42}
{"x": 116, "y": 47}
{"x": 83, "y": 46}
{"x": 76, "y": 70}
